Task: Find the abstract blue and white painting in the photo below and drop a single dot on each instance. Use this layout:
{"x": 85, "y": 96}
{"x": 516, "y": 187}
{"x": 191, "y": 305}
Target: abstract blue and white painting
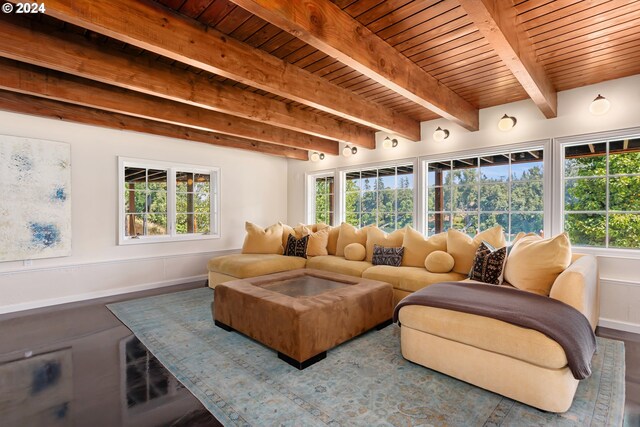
{"x": 35, "y": 198}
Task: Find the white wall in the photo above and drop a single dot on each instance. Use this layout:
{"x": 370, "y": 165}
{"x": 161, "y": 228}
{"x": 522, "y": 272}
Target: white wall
{"x": 620, "y": 302}
{"x": 253, "y": 188}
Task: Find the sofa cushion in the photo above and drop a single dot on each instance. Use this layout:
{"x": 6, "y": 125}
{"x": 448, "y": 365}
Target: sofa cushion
{"x": 520, "y": 343}
{"x": 296, "y": 247}
{"x": 350, "y": 234}
{"x": 251, "y": 265}
{"x": 332, "y": 243}
{"x": 338, "y": 265}
{"x": 417, "y": 247}
{"x": 375, "y": 236}
{"x": 355, "y": 252}
{"x": 463, "y": 248}
{"x": 534, "y": 264}
{"x": 263, "y": 241}
{"x": 488, "y": 265}
{"x": 387, "y": 256}
{"x": 317, "y": 240}
{"x": 286, "y": 230}
{"x": 408, "y": 279}
{"x": 439, "y": 262}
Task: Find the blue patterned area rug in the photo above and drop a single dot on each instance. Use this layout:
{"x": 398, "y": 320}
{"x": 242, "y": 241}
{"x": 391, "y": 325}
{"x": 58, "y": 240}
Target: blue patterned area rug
{"x": 363, "y": 382}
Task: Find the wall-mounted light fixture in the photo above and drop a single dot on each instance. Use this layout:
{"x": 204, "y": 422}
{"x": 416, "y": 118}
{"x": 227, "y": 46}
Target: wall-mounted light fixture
{"x": 507, "y": 123}
{"x": 389, "y": 143}
{"x": 315, "y": 156}
{"x": 440, "y": 134}
{"x": 348, "y": 151}
{"x": 599, "y": 106}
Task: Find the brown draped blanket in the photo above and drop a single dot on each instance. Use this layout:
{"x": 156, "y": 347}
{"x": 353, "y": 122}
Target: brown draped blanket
{"x": 557, "y": 320}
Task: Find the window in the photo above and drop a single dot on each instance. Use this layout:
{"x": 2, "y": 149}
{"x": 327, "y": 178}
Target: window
{"x": 161, "y": 201}
{"x": 601, "y": 193}
{"x": 324, "y": 200}
{"x": 381, "y": 196}
{"x": 475, "y": 193}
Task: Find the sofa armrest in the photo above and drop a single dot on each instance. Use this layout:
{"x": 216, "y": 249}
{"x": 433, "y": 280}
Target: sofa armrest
{"x": 579, "y": 287}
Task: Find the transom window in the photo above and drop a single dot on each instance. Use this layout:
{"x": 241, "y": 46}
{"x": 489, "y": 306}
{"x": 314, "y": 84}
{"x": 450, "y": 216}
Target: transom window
{"x": 601, "y": 182}
{"x": 380, "y": 196}
{"x": 161, "y": 201}
{"x": 475, "y": 193}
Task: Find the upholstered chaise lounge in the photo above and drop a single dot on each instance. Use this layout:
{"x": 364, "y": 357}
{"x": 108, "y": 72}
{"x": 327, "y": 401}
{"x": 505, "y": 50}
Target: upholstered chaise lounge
{"x": 517, "y": 362}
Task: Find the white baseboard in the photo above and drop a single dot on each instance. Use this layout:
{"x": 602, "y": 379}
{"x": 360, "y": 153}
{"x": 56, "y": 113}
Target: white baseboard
{"x": 619, "y": 325}
{"x": 97, "y": 294}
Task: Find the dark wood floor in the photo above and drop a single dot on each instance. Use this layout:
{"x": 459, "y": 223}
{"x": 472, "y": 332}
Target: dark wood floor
{"x": 116, "y": 382}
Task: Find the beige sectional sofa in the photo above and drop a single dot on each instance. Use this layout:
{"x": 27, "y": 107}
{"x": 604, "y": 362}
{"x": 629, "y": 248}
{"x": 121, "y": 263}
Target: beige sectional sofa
{"x": 517, "y": 362}
{"x": 405, "y": 279}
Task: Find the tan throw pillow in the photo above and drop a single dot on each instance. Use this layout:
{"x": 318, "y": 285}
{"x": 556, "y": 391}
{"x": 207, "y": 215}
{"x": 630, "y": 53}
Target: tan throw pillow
{"x": 439, "y": 262}
{"x": 286, "y": 230}
{"x": 534, "y": 264}
{"x": 375, "y": 236}
{"x": 312, "y": 228}
{"x": 350, "y": 234}
{"x": 417, "y": 247}
{"x": 354, "y": 252}
{"x": 317, "y": 245}
{"x": 332, "y": 244}
{"x": 263, "y": 241}
{"x": 463, "y": 248}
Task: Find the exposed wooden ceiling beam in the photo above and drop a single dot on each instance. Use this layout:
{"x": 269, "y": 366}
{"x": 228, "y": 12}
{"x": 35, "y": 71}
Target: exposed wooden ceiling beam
{"x": 27, "y": 104}
{"x": 73, "y": 54}
{"x": 326, "y": 27}
{"x": 27, "y": 79}
{"x": 152, "y": 27}
{"x": 496, "y": 21}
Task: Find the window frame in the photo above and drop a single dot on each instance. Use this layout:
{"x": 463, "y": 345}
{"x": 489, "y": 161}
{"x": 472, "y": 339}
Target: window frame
{"x": 559, "y": 145}
{"x": 171, "y": 168}
{"x": 341, "y": 181}
{"x": 310, "y": 194}
{"x": 542, "y": 144}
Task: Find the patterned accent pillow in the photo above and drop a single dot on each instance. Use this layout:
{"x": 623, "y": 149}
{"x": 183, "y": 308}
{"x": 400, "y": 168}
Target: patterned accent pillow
{"x": 296, "y": 247}
{"x": 387, "y": 256}
{"x": 488, "y": 264}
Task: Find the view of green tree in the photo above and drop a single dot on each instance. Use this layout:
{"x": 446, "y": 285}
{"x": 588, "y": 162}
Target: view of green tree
{"x": 324, "y": 200}
{"x": 590, "y": 192}
{"x": 474, "y": 194}
{"x": 383, "y": 197}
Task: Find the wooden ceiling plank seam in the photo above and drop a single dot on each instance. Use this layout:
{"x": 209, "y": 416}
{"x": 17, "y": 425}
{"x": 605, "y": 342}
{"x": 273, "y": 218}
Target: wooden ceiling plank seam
{"x": 440, "y": 39}
{"x": 486, "y": 66}
{"x": 611, "y": 74}
{"x": 263, "y": 35}
{"x": 600, "y": 64}
{"x": 193, "y": 8}
{"x": 621, "y": 38}
{"x": 150, "y": 27}
{"x": 591, "y": 59}
{"x": 484, "y": 78}
{"x": 381, "y": 10}
{"x": 561, "y": 22}
{"x": 448, "y": 20}
{"x": 233, "y": 20}
{"x": 590, "y": 76}
{"x": 451, "y": 48}
{"x": 280, "y": 39}
{"x": 327, "y": 28}
{"x": 247, "y": 29}
{"x": 359, "y": 7}
{"x": 496, "y": 22}
{"x": 527, "y": 5}
{"x": 216, "y": 12}
{"x": 582, "y": 26}
{"x": 549, "y": 11}
{"x": 632, "y": 22}
{"x": 18, "y": 77}
{"x": 457, "y": 54}
{"x": 399, "y": 19}
{"x": 434, "y": 9}
{"x": 75, "y": 55}
{"x": 488, "y": 57}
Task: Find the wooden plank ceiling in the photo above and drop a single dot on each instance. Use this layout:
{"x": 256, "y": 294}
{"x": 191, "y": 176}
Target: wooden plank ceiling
{"x": 285, "y": 77}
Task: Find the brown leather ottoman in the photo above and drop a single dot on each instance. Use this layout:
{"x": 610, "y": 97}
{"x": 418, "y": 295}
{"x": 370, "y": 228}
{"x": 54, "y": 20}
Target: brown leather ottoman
{"x": 303, "y": 313}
